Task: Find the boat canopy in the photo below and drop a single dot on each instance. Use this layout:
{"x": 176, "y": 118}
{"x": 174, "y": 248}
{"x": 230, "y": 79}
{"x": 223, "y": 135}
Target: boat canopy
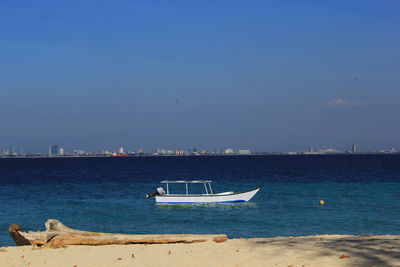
{"x": 186, "y": 182}
{"x": 205, "y": 182}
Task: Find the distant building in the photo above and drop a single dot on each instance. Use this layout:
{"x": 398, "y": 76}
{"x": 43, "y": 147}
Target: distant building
{"x": 328, "y": 150}
{"x": 179, "y": 152}
{"x": 244, "y": 152}
{"x": 106, "y": 152}
{"x": 11, "y": 150}
{"x": 353, "y": 149}
{"x": 54, "y": 150}
{"x": 79, "y": 152}
{"x": 61, "y": 151}
{"x": 161, "y": 151}
{"x": 121, "y": 150}
{"x": 391, "y": 150}
{"x": 203, "y": 152}
{"x": 310, "y": 151}
{"x": 229, "y": 151}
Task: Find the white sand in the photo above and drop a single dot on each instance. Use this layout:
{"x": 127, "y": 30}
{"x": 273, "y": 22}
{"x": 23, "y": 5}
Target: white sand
{"x": 281, "y": 251}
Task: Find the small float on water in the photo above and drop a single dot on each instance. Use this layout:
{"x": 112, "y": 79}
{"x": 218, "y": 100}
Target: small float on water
{"x": 162, "y": 196}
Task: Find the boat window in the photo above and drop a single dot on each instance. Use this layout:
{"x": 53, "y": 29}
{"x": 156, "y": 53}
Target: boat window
{"x": 209, "y": 184}
{"x": 180, "y": 188}
{"x": 205, "y": 187}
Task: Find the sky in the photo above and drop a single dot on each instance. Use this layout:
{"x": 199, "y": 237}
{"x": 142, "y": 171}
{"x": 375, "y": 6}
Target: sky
{"x": 260, "y": 75}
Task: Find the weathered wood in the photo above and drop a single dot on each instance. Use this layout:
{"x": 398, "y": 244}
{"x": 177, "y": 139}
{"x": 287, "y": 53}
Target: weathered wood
{"x": 57, "y": 234}
{"x": 14, "y": 231}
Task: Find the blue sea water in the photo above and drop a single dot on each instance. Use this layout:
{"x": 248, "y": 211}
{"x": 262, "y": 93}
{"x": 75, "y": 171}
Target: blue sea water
{"x": 361, "y": 194}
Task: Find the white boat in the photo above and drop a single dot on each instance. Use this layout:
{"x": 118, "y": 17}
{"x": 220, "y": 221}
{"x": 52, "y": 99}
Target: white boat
{"x": 163, "y": 196}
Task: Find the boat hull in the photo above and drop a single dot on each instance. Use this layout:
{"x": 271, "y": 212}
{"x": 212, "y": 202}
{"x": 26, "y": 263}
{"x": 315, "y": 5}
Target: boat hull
{"x": 214, "y": 198}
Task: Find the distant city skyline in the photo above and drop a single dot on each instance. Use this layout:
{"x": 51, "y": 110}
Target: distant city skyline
{"x": 56, "y": 150}
{"x": 40, "y": 147}
{"x": 259, "y": 75}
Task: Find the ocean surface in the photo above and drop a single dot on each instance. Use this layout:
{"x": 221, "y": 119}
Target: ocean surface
{"x": 361, "y": 194}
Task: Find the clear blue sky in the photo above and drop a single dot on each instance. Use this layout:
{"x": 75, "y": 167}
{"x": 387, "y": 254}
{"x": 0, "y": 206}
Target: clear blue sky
{"x": 262, "y": 75}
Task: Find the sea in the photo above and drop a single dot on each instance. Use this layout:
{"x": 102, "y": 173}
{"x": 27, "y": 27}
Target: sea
{"x": 361, "y": 194}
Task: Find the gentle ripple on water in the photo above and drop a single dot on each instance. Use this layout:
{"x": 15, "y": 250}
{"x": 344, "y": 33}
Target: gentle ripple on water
{"x": 361, "y": 193}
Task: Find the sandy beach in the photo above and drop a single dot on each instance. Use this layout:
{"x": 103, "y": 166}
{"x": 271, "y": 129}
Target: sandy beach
{"x": 324, "y": 250}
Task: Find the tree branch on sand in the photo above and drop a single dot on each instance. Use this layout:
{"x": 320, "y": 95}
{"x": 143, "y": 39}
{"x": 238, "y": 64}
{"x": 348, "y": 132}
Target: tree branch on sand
{"x": 59, "y": 235}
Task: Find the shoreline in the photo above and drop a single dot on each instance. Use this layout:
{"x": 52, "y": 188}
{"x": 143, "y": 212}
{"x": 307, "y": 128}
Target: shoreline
{"x": 298, "y": 251}
{"x": 68, "y": 156}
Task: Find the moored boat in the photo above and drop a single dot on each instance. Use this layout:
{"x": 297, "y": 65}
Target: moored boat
{"x": 162, "y": 196}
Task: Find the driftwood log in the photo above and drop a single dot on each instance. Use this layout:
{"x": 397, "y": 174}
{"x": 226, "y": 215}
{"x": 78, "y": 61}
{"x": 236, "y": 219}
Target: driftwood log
{"x": 58, "y": 235}
{"x": 14, "y": 230}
